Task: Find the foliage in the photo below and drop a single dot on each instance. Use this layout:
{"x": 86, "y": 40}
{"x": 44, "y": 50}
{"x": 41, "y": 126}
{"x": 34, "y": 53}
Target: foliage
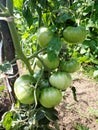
{"x": 81, "y": 127}
{"x": 27, "y": 118}
{"x": 55, "y": 15}
{"x": 6, "y": 67}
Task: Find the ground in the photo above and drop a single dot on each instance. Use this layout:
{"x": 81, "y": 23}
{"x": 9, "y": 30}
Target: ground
{"x": 84, "y": 111}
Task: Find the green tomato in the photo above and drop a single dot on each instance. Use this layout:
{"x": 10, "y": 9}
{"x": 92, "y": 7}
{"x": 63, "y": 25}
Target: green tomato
{"x": 23, "y": 88}
{"x": 69, "y": 66}
{"x": 74, "y": 34}
{"x": 44, "y": 36}
{"x": 50, "y": 97}
{"x": 60, "y": 80}
{"x": 50, "y": 64}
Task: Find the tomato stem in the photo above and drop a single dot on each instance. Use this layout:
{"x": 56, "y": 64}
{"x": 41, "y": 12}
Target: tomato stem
{"x": 15, "y": 38}
{"x": 42, "y": 63}
{"x": 16, "y": 43}
{"x": 36, "y": 53}
{"x": 35, "y": 94}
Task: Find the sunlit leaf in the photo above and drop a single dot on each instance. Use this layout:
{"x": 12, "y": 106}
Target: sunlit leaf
{"x": 81, "y": 127}
{"x": 7, "y": 120}
{"x": 2, "y": 88}
{"x": 18, "y": 3}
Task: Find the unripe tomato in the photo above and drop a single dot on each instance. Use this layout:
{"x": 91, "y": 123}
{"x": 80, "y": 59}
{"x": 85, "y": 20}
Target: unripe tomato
{"x": 50, "y": 64}
{"x": 74, "y": 34}
{"x": 69, "y": 66}
{"x": 60, "y": 80}
{"x": 24, "y": 90}
{"x": 50, "y": 97}
{"x": 44, "y": 36}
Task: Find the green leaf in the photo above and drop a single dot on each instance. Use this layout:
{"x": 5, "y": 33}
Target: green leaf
{"x": 43, "y": 3}
{"x": 40, "y": 14}
{"x": 18, "y": 3}
{"x": 51, "y": 114}
{"x": 2, "y": 88}
{"x": 27, "y": 13}
{"x": 6, "y": 66}
{"x": 40, "y": 115}
{"x": 62, "y": 18}
{"x": 81, "y": 127}
{"x": 54, "y": 48}
{"x": 7, "y": 120}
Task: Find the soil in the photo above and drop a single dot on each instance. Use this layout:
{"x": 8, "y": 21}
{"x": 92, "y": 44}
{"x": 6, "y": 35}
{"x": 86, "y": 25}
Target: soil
{"x": 84, "y": 111}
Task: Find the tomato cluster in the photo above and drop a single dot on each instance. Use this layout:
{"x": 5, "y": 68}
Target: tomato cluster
{"x": 53, "y": 76}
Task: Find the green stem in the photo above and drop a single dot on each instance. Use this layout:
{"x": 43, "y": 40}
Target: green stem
{"x": 36, "y": 85}
{"x": 36, "y": 53}
{"x": 16, "y": 43}
{"x": 14, "y": 35}
{"x": 45, "y": 66}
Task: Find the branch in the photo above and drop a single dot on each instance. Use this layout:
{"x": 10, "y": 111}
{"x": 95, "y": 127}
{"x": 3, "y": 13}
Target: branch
{"x": 36, "y": 53}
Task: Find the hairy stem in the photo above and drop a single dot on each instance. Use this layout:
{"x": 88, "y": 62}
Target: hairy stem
{"x": 17, "y": 46}
{"x": 15, "y": 36}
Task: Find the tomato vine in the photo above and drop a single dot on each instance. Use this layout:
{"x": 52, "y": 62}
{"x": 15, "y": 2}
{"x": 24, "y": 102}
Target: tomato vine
{"x": 62, "y": 25}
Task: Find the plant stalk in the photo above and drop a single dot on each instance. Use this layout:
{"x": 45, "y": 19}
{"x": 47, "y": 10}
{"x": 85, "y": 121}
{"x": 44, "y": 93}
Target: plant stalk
{"x": 16, "y": 43}
{"x": 14, "y": 34}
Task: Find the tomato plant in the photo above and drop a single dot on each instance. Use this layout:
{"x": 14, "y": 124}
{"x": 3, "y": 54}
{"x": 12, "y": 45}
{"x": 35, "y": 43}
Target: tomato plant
{"x": 50, "y": 97}
{"x": 60, "y": 80}
{"x": 44, "y": 33}
{"x": 70, "y": 66}
{"x": 74, "y": 34}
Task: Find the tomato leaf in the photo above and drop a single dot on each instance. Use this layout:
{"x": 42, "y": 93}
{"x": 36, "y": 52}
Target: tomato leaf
{"x": 39, "y": 115}
{"x": 2, "y": 88}
{"x": 6, "y": 67}
{"x": 54, "y": 48}
{"x": 18, "y": 3}
{"x": 27, "y": 13}
{"x": 81, "y": 127}
{"x": 7, "y": 120}
{"x": 51, "y": 114}
{"x": 63, "y": 17}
